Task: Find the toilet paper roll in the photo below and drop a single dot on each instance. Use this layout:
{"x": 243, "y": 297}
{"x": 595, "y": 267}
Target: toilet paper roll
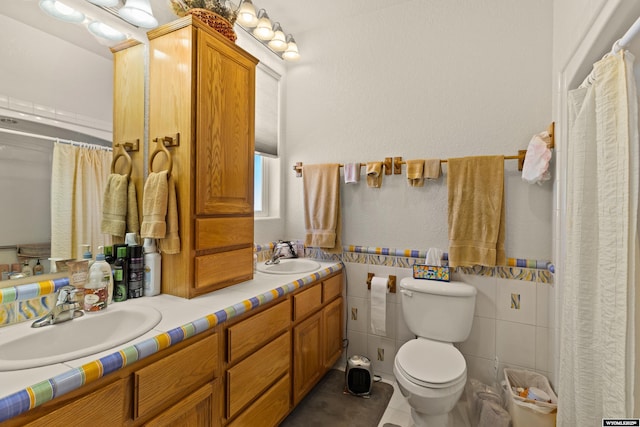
{"x": 379, "y": 291}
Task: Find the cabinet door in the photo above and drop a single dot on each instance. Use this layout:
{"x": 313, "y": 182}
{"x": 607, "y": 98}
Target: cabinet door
{"x": 308, "y": 360}
{"x": 196, "y": 410}
{"x": 224, "y": 130}
{"x": 332, "y": 332}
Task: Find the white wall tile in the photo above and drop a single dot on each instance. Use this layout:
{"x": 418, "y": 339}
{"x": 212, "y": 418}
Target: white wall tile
{"x": 527, "y": 292}
{"x": 357, "y": 307}
{"x": 387, "y": 350}
{"x": 515, "y": 343}
{"x": 482, "y": 339}
{"x": 486, "y": 296}
{"x": 543, "y": 294}
{"x": 542, "y": 349}
{"x": 357, "y": 344}
{"x": 481, "y": 369}
{"x": 356, "y": 279}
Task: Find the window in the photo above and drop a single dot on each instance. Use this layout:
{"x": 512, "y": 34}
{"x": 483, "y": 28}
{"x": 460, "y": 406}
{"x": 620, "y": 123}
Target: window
{"x": 259, "y": 186}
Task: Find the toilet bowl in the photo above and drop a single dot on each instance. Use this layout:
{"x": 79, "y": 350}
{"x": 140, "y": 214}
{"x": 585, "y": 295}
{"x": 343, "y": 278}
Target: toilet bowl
{"x": 430, "y": 372}
{"x": 432, "y": 376}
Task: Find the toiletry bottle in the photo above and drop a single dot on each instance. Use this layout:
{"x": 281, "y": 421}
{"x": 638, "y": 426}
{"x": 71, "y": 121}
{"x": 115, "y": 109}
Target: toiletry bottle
{"x": 136, "y": 271}
{"x": 152, "y": 268}
{"x": 109, "y": 256}
{"x": 26, "y": 269}
{"x": 86, "y": 254}
{"x": 96, "y": 291}
{"x": 121, "y": 276}
{"x": 38, "y": 269}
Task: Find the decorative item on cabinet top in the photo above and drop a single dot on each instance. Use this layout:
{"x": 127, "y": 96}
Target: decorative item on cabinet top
{"x": 219, "y": 15}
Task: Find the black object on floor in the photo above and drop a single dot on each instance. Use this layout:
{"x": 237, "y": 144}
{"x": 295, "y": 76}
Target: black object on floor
{"x": 327, "y": 405}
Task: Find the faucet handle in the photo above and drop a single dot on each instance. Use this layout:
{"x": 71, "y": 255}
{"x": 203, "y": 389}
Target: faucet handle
{"x": 66, "y": 295}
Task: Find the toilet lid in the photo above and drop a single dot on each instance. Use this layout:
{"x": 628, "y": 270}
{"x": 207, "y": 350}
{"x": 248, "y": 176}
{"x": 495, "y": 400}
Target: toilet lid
{"x": 431, "y": 362}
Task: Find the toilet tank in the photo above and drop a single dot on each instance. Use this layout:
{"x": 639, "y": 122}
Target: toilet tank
{"x": 441, "y": 311}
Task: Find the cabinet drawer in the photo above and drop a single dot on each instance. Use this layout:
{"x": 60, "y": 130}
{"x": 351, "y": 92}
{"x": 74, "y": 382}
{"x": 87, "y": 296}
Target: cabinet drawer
{"x": 158, "y": 383}
{"x": 212, "y": 233}
{"x": 102, "y": 407}
{"x": 307, "y": 302}
{"x": 224, "y": 268}
{"x": 249, "y": 378}
{"x": 245, "y": 337}
{"x": 269, "y": 409}
{"x": 331, "y": 288}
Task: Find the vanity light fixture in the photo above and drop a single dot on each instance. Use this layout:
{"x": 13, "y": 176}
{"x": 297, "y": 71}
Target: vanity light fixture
{"x": 271, "y": 36}
{"x": 105, "y": 3}
{"x": 263, "y": 30}
{"x": 61, "y": 11}
{"x": 291, "y": 53}
{"x": 102, "y": 30}
{"x": 138, "y": 13}
{"x": 247, "y": 14}
{"x": 278, "y": 42}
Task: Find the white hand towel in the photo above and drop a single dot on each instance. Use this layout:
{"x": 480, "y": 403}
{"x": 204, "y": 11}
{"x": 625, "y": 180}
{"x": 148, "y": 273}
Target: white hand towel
{"x": 351, "y": 173}
{"x": 536, "y": 162}
{"x": 379, "y": 291}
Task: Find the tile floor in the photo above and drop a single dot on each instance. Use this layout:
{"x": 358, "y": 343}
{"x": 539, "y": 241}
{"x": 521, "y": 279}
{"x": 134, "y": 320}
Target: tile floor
{"x": 399, "y": 412}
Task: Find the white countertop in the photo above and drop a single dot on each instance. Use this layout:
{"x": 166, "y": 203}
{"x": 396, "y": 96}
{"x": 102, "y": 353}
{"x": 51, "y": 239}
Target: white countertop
{"x": 175, "y": 312}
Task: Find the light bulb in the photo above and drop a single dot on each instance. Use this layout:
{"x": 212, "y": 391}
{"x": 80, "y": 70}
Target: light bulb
{"x": 278, "y": 42}
{"x": 138, "y": 13}
{"x": 61, "y": 11}
{"x": 291, "y": 54}
{"x": 247, "y": 14}
{"x": 263, "y": 30}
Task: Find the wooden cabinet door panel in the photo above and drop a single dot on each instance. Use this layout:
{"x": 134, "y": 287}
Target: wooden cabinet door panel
{"x": 196, "y": 410}
{"x": 332, "y": 323}
{"x": 307, "y": 302}
{"x": 224, "y": 136}
{"x": 308, "y": 360}
{"x": 269, "y": 409}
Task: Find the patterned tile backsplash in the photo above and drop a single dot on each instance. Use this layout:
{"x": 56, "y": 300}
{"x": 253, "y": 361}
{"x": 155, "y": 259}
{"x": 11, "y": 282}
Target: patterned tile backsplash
{"x": 27, "y": 302}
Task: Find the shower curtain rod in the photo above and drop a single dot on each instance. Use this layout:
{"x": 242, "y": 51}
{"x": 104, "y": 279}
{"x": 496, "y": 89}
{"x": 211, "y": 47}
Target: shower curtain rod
{"x": 60, "y": 140}
{"x": 626, "y": 39}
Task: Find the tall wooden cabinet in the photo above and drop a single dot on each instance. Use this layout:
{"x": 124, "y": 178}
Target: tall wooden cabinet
{"x": 202, "y": 88}
{"x": 128, "y": 108}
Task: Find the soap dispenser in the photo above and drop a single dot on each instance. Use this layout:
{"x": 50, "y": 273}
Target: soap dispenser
{"x": 86, "y": 254}
{"x": 38, "y": 269}
{"x": 96, "y": 292}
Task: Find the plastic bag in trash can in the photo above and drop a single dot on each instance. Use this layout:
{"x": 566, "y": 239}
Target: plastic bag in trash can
{"x": 493, "y": 415}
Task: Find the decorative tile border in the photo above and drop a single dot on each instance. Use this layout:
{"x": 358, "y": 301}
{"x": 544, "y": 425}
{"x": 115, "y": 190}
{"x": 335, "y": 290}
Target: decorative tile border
{"x": 37, "y": 394}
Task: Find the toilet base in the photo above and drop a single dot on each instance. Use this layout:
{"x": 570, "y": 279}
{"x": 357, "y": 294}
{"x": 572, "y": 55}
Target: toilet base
{"x": 424, "y": 420}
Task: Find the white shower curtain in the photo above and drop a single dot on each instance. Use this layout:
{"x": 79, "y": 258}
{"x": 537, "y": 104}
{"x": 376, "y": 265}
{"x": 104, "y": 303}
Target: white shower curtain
{"x": 78, "y": 179}
{"x": 597, "y": 349}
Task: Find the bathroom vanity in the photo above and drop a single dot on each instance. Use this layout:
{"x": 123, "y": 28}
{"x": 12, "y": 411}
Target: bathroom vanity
{"x": 274, "y": 338}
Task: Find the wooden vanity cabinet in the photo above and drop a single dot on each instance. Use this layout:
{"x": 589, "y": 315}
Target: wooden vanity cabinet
{"x": 202, "y": 87}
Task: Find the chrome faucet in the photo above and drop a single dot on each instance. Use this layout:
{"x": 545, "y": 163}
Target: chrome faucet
{"x": 66, "y": 308}
{"x": 282, "y": 250}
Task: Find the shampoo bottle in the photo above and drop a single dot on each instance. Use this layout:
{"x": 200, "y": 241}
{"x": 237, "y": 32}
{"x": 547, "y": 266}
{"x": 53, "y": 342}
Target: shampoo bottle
{"x": 152, "y": 268}
{"x": 121, "y": 275}
{"x": 136, "y": 271}
{"x": 96, "y": 292}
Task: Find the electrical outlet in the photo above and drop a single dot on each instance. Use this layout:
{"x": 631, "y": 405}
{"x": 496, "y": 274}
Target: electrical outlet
{"x": 381, "y": 354}
{"x": 354, "y": 313}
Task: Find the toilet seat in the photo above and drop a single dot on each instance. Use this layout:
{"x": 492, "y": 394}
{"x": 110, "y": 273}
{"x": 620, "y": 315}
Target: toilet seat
{"x": 431, "y": 364}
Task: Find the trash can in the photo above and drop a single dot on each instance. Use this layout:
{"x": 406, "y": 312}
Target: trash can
{"x": 528, "y": 411}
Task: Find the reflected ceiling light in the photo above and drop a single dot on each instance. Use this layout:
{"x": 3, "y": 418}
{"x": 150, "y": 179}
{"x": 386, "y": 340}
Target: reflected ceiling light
{"x": 291, "y": 54}
{"x": 61, "y": 11}
{"x": 138, "y": 13}
{"x": 104, "y": 31}
{"x": 279, "y": 41}
{"x": 105, "y": 3}
{"x": 247, "y": 14}
{"x": 263, "y": 30}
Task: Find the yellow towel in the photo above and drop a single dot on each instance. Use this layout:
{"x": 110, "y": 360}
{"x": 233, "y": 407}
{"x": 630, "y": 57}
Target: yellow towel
{"x": 432, "y": 169}
{"x": 171, "y": 242}
{"x": 374, "y": 174}
{"x": 154, "y": 206}
{"x": 476, "y": 211}
{"x": 415, "y": 170}
{"x": 114, "y": 207}
{"x": 321, "y": 187}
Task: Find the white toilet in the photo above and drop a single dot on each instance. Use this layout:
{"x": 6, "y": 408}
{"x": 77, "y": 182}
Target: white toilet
{"x": 429, "y": 370}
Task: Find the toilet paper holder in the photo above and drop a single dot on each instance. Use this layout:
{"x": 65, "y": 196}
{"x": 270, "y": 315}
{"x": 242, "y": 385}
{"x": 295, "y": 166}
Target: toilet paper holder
{"x": 391, "y": 284}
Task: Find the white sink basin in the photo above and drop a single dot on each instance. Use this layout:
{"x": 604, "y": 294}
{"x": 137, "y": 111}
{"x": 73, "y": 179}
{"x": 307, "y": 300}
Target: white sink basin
{"x": 290, "y": 266}
{"x": 27, "y": 347}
